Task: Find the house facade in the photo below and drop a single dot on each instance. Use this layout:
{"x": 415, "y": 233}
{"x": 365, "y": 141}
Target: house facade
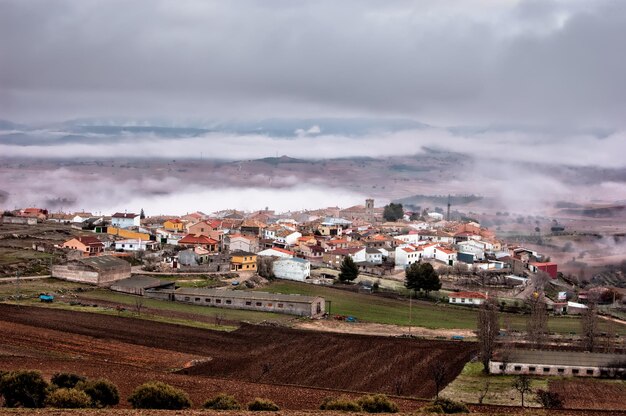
{"x": 89, "y": 246}
{"x": 125, "y": 220}
{"x": 292, "y": 269}
{"x": 467, "y": 298}
{"x": 243, "y": 261}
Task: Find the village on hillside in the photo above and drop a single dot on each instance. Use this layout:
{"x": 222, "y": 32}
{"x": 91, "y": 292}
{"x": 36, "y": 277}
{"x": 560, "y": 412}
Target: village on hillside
{"x": 235, "y": 261}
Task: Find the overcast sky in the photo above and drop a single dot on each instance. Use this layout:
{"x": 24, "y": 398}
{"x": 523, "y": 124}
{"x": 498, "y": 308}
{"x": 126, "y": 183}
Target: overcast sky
{"x": 444, "y": 62}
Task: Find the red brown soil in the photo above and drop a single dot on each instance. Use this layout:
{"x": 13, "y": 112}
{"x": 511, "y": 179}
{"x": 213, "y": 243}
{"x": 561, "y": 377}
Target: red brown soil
{"x": 273, "y": 355}
{"x": 130, "y": 352}
{"x": 590, "y": 394}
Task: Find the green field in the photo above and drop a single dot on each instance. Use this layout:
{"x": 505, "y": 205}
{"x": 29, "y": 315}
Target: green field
{"x": 468, "y": 385}
{"x": 372, "y": 308}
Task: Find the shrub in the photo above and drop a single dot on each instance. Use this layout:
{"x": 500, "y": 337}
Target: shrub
{"x": 102, "y": 392}
{"x": 450, "y": 406}
{"x": 222, "y": 402}
{"x": 549, "y": 400}
{"x": 158, "y": 395}
{"x": 66, "y": 380}
{"x": 262, "y": 405}
{"x": 64, "y": 398}
{"x": 342, "y": 403}
{"x": 432, "y": 408}
{"x": 23, "y": 388}
{"x": 377, "y": 403}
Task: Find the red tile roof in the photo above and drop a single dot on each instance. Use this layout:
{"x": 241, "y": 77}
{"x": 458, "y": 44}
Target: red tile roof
{"x": 124, "y": 215}
{"x": 469, "y": 295}
{"x": 196, "y": 239}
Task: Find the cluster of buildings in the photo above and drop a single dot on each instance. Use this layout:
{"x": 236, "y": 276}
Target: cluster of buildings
{"x": 233, "y": 241}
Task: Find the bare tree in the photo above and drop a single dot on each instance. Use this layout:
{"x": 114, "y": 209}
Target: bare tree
{"x": 484, "y": 391}
{"x": 522, "y": 384}
{"x": 589, "y": 323}
{"x": 537, "y": 324}
{"x": 488, "y": 329}
{"x": 438, "y": 372}
{"x": 138, "y": 305}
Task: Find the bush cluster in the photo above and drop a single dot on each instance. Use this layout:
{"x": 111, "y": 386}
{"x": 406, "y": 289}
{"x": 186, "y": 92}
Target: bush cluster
{"x": 222, "y": 402}
{"x": 262, "y": 405}
{"x": 549, "y": 400}
{"x": 158, "y": 395}
{"x": 377, "y": 403}
{"x": 65, "y": 390}
{"x": 446, "y": 406}
{"x": 68, "y": 398}
{"x": 341, "y": 403}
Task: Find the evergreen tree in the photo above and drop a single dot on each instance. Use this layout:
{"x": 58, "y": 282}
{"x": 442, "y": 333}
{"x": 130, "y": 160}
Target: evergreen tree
{"x": 393, "y": 212}
{"x": 349, "y": 270}
{"x": 142, "y": 215}
{"x": 422, "y": 276}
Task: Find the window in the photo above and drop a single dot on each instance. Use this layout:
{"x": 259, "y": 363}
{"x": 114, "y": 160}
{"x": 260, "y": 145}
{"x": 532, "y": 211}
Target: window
{"x": 228, "y": 301}
{"x": 218, "y": 300}
{"x": 259, "y": 304}
{"x": 589, "y": 372}
{"x": 269, "y": 304}
{"x": 546, "y": 369}
{"x": 187, "y": 298}
{"x": 575, "y": 371}
{"x": 560, "y": 370}
{"x": 501, "y": 367}
{"x": 207, "y": 300}
{"x": 518, "y": 368}
{"x": 248, "y": 303}
{"x": 453, "y": 299}
{"x": 532, "y": 369}
{"x": 280, "y": 305}
{"x": 197, "y": 299}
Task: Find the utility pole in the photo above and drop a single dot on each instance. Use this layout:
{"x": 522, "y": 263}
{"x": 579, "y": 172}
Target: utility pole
{"x": 410, "y": 312}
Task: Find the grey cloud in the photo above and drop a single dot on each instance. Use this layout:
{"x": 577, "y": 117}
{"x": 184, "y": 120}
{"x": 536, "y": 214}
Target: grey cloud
{"x": 472, "y": 61}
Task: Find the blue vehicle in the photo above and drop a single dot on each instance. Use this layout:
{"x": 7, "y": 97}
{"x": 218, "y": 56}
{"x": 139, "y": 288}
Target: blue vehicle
{"x": 46, "y": 298}
{"x": 235, "y": 283}
{"x": 457, "y": 337}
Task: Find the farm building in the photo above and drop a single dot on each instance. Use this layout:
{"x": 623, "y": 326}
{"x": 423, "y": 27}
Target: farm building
{"x": 137, "y": 285}
{"x": 100, "y": 270}
{"x": 467, "y": 298}
{"x": 292, "y": 269}
{"x": 136, "y": 245}
{"x": 558, "y": 363}
{"x": 550, "y": 268}
{"x": 258, "y": 301}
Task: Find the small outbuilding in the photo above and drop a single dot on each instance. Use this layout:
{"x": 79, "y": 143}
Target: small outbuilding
{"x": 467, "y": 298}
{"x": 137, "y": 285}
{"x": 100, "y": 270}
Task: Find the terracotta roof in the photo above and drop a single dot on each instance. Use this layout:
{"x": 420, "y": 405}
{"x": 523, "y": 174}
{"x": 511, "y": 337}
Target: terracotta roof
{"x": 196, "y": 239}
{"x": 445, "y": 250}
{"x": 89, "y": 241}
{"x": 468, "y": 295}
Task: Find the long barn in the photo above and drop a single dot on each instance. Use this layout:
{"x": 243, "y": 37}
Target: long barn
{"x": 310, "y": 306}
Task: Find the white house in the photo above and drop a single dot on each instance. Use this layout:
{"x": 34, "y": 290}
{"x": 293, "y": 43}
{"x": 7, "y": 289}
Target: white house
{"x": 407, "y": 255}
{"x": 435, "y": 216}
{"x": 373, "y": 255}
{"x": 292, "y": 269}
{"x": 276, "y": 252}
{"x": 136, "y": 245}
{"x": 410, "y": 238}
{"x": 467, "y": 298}
{"x": 125, "y": 220}
{"x": 473, "y": 247}
{"x": 238, "y": 242}
{"x": 287, "y": 237}
{"x": 445, "y": 255}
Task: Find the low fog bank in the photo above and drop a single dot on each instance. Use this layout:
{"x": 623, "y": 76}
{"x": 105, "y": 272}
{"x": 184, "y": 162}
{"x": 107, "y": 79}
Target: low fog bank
{"x": 310, "y": 142}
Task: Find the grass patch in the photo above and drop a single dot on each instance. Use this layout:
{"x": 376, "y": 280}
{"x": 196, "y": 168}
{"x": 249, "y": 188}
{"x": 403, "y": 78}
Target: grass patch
{"x": 469, "y": 384}
{"x": 372, "y": 308}
{"x": 162, "y": 305}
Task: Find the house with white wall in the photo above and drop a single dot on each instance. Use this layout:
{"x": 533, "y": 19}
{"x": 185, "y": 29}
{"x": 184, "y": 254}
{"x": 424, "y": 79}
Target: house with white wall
{"x": 445, "y": 255}
{"x": 292, "y": 269}
{"x": 125, "y": 220}
{"x": 276, "y": 252}
{"x": 467, "y": 298}
{"x": 135, "y": 245}
{"x": 373, "y": 255}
